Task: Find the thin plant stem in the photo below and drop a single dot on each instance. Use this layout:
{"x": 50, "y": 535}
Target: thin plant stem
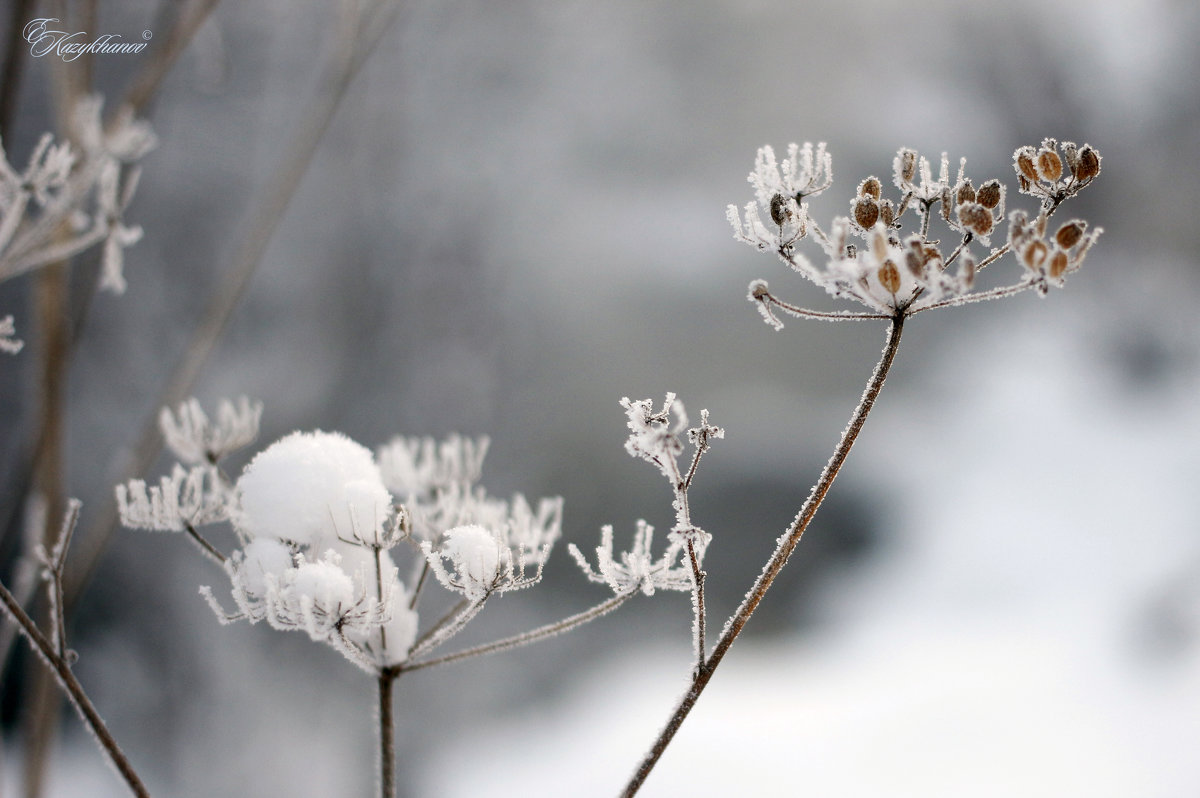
{"x": 387, "y": 734}
{"x": 525, "y": 638}
{"x": 698, "y": 605}
{"x": 787, "y": 544}
{"x": 208, "y": 549}
{"x": 74, "y": 691}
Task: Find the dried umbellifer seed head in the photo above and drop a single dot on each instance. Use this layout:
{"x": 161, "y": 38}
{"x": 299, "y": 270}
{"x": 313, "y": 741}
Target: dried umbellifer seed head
{"x": 1089, "y": 163}
{"x": 779, "y": 209}
{"x": 871, "y": 187}
{"x": 1070, "y": 233}
{"x": 1024, "y": 163}
{"x": 866, "y": 212}
{"x": 989, "y": 194}
{"x": 964, "y": 193}
{"x": 1049, "y": 165}
{"x": 889, "y": 277}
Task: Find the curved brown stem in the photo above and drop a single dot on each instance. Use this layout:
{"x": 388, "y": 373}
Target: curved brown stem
{"x": 787, "y": 544}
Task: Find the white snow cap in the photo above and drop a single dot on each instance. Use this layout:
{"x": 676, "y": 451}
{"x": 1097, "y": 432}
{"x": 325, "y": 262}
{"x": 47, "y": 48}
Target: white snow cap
{"x": 313, "y": 488}
{"x": 475, "y": 553}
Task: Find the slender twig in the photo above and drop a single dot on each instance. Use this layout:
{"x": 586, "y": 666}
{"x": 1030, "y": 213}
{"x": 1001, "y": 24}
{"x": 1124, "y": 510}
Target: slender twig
{"x": 209, "y": 550}
{"x": 834, "y": 315}
{"x": 73, "y": 689}
{"x": 55, "y": 561}
{"x": 787, "y": 544}
{"x": 448, "y": 626}
{"x": 982, "y": 296}
{"x": 525, "y": 638}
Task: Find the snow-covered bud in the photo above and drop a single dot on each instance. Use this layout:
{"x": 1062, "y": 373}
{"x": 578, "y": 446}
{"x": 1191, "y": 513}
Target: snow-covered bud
{"x": 871, "y": 187}
{"x": 475, "y": 553}
{"x": 313, "y": 489}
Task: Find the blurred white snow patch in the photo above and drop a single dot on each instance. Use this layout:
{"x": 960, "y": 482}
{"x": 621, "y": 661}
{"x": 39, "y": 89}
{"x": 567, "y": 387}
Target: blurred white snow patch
{"x": 928, "y": 708}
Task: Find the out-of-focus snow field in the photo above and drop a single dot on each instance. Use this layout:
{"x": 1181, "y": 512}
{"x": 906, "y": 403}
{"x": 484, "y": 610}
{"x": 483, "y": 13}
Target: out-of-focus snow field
{"x": 1041, "y": 647}
{"x": 516, "y": 219}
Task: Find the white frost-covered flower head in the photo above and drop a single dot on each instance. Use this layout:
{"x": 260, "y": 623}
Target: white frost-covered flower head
{"x": 194, "y": 438}
{"x": 416, "y": 468}
{"x": 636, "y": 569}
{"x": 313, "y": 489}
{"x": 502, "y": 547}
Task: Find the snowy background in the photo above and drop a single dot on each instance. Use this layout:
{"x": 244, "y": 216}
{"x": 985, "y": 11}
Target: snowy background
{"x": 516, "y": 219}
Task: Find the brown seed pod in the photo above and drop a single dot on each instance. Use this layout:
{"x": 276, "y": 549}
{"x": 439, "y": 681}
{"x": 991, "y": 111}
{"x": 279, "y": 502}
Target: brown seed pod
{"x": 975, "y": 218}
{"x": 914, "y": 260}
{"x": 1024, "y": 164}
{"x": 871, "y": 187}
{"x": 989, "y": 194}
{"x": 964, "y": 193}
{"x": 1058, "y": 264}
{"x": 779, "y": 209}
{"x": 887, "y": 212}
{"x": 1089, "y": 163}
{"x": 889, "y": 276}
{"x": 866, "y": 212}
{"x": 906, "y": 165}
{"x": 1034, "y": 255}
{"x": 1049, "y": 165}
{"x": 1070, "y": 233}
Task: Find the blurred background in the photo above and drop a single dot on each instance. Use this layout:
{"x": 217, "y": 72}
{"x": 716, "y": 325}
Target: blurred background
{"x": 515, "y": 218}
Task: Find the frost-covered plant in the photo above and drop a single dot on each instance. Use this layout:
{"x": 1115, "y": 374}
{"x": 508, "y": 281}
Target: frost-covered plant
{"x": 70, "y": 197}
{"x": 883, "y": 258}
{"x": 323, "y": 525}
{"x": 871, "y": 260}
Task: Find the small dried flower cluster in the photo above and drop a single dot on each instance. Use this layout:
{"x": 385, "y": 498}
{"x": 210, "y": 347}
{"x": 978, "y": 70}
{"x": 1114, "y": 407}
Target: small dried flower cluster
{"x": 317, "y": 528}
{"x": 654, "y": 437}
{"x": 70, "y": 198}
{"x": 869, "y": 258}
